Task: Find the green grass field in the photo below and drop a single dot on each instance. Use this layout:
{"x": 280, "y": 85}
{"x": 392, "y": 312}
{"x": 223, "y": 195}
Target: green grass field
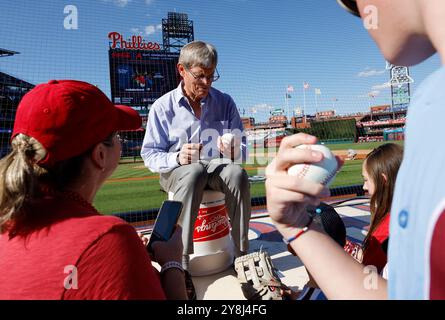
{"x": 132, "y": 187}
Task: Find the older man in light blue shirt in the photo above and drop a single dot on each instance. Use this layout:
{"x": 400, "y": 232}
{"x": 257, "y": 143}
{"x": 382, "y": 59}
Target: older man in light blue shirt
{"x": 183, "y": 143}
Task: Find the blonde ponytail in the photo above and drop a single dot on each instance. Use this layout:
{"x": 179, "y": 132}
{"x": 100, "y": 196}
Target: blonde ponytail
{"x": 19, "y": 175}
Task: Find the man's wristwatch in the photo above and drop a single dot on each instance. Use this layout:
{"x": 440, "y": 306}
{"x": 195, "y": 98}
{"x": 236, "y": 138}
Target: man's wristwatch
{"x": 177, "y": 160}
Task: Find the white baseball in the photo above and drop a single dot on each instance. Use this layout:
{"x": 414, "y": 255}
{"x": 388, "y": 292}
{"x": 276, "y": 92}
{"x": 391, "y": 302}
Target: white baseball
{"x": 320, "y": 172}
{"x": 227, "y": 139}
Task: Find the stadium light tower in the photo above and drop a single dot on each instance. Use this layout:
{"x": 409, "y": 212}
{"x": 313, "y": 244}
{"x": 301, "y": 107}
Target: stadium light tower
{"x": 177, "y": 31}
{"x": 400, "y": 87}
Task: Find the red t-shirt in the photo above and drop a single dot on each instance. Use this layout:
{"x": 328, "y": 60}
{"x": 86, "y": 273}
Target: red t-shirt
{"x": 436, "y": 263}
{"x": 375, "y": 254}
{"x": 76, "y": 254}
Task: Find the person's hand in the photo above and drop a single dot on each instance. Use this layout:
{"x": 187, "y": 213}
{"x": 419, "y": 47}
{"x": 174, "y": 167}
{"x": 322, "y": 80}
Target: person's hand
{"x": 189, "y": 153}
{"x": 171, "y": 250}
{"x": 143, "y": 238}
{"x": 231, "y": 151}
{"x": 289, "y": 294}
{"x": 288, "y": 196}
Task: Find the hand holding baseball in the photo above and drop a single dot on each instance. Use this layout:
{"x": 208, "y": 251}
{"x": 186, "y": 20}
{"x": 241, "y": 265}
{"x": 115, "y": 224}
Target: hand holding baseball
{"x": 288, "y": 196}
{"x": 229, "y": 145}
{"x": 322, "y": 172}
{"x": 189, "y": 153}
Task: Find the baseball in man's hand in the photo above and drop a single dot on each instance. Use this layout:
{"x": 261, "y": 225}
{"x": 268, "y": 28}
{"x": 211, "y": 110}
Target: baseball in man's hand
{"x": 228, "y": 139}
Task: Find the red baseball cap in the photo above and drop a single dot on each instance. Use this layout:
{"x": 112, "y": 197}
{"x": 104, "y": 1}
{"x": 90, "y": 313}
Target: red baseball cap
{"x": 69, "y": 117}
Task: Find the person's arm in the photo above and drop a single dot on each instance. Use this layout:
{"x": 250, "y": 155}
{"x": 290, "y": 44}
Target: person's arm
{"x": 155, "y": 147}
{"x": 173, "y": 279}
{"x": 173, "y": 282}
{"x": 338, "y": 275}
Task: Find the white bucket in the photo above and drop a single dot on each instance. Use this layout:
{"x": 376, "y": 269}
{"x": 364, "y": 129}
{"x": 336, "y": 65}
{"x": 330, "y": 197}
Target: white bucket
{"x": 212, "y": 243}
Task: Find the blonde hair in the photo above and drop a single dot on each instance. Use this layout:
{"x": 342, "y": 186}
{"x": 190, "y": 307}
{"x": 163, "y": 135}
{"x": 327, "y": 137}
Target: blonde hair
{"x": 23, "y": 180}
{"x": 19, "y": 175}
{"x": 198, "y": 54}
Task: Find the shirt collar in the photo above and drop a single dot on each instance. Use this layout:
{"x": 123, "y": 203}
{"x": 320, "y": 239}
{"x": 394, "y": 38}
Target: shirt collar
{"x": 179, "y": 95}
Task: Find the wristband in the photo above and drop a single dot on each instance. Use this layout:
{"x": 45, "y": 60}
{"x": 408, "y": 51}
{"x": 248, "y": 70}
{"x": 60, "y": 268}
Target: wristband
{"x": 299, "y": 233}
{"x": 170, "y": 265}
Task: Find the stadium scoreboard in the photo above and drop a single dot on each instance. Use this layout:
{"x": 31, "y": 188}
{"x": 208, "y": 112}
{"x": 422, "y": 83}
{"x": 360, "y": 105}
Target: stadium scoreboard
{"x": 140, "y": 76}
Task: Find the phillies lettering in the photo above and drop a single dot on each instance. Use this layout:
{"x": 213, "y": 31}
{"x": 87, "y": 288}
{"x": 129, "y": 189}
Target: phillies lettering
{"x": 134, "y": 43}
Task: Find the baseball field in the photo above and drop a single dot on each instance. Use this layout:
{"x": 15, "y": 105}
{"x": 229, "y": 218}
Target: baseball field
{"x": 132, "y": 187}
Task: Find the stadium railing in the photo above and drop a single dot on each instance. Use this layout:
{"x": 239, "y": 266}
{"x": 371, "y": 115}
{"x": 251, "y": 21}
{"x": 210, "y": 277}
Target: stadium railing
{"x": 147, "y": 217}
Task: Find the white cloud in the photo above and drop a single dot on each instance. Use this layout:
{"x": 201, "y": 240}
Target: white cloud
{"x": 150, "y": 30}
{"x": 382, "y": 86}
{"x": 262, "y": 108}
{"x": 147, "y": 30}
{"x": 122, "y": 3}
{"x": 370, "y": 73}
{"x": 373, "y": 93}
{"x": 136, "y": 30}
{"x": 119, "y": 3}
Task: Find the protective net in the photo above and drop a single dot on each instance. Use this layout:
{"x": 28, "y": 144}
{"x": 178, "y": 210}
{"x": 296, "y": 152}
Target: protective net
{"x": 296, "y": 66}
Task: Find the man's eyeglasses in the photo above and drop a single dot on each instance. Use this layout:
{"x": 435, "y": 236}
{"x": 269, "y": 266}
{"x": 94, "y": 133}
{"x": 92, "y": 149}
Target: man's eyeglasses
{"x": 211, "y": 78}
{"x": 109, "y": 141}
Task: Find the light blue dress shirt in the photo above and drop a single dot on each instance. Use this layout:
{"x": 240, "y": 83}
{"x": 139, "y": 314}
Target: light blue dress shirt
{"x": 172, "y": 123}
{"x": 419, "y": 193}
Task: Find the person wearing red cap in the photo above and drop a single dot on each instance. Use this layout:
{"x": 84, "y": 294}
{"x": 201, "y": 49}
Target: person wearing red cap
{"x": 53, "y": 243}
{"x": 408, "y": 33}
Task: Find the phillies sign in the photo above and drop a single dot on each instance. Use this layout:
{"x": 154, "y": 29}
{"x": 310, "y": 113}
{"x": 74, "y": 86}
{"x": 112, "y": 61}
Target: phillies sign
{"x": 133, "y": 43}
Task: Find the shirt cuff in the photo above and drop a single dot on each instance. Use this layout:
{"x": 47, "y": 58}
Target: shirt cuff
{"x": 172, "y": 163}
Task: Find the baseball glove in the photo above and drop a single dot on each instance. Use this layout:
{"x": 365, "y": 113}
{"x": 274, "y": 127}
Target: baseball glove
{"x": 258, "y": 277}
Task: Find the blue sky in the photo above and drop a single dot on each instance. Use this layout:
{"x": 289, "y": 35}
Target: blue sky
{"x": 263, "y": 46}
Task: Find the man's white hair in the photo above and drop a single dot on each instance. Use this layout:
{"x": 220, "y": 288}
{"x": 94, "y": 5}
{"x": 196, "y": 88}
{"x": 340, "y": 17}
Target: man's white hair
{"x": 198, "y": 54}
